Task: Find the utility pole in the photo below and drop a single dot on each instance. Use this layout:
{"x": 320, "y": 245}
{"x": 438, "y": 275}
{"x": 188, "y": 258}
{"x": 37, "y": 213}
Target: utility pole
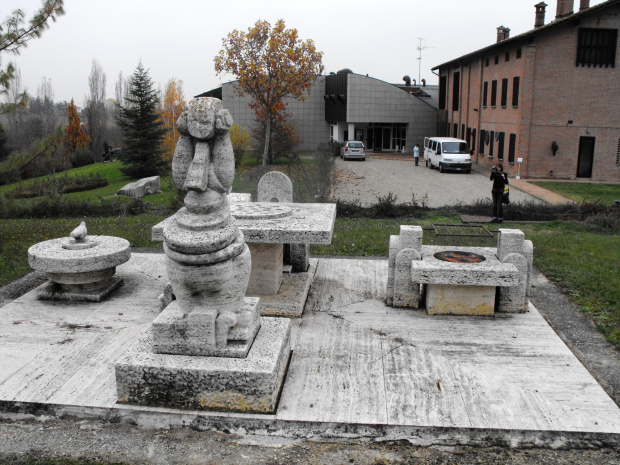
{"x": 420, "y": 48}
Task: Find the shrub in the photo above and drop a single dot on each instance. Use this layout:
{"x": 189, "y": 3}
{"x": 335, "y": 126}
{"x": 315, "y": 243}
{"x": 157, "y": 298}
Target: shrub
{"x": 57, "y": 185}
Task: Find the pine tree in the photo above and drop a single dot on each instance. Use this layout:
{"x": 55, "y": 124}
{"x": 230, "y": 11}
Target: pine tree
{"x": 141, "y": 128}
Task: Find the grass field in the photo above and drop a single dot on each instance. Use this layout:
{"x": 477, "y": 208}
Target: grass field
{"x": 579, "y": 192}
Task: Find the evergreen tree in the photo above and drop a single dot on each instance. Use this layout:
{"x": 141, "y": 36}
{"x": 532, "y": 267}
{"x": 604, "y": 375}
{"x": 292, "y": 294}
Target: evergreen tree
{"x": 141, "y": 128}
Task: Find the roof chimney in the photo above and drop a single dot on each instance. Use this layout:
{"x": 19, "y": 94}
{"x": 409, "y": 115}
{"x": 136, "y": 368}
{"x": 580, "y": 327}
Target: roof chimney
{"x": 583, "y": 4}
{"x": 565, "y": 8}
{"x": 503, "y": 33}
{"x": 540, "y": 14}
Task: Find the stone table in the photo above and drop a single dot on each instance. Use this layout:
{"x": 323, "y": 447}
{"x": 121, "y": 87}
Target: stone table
{"x": 267, "y": 226}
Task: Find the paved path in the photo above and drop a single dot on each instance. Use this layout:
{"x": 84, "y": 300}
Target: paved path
{"x": 380, "y": 175}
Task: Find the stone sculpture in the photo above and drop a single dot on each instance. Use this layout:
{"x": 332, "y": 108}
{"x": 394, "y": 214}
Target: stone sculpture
{"x": 207, "y": 259}
{"x": 209, "y": 348}
{"x": 79, "y": 267}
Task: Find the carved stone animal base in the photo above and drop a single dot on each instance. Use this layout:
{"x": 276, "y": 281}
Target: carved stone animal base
{"x": 91, "y": 292}
{"x": 251, "y": 384}
{"x": 173, "y": 334}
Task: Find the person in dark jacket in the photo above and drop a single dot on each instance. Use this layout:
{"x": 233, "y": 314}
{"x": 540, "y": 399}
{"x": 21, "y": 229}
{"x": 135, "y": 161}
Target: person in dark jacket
{"x": 500, "y": 179}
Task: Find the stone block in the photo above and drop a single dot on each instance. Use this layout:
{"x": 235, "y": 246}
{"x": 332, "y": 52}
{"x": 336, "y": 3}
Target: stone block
{"x": 406, "y": 292}
{"x": 411, "y": 237}
{"x": 300, "y": 257}
{"x": 196, "y": 334}
{"x": 249, "y": 385}
{"x": 142, "y": 187}
{"x": 514, "y": 299}
{"x": 266, "y": 274}
{"x": 450, "y": 299}
{"x": 509, "y": 241}
{"x": 275, "y": 186}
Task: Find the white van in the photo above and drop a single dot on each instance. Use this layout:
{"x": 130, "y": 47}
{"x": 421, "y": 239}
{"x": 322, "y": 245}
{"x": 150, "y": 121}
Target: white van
{"x": 447, "y": 153}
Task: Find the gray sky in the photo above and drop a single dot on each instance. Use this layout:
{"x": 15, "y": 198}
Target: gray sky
{"x": 180, "y": 38}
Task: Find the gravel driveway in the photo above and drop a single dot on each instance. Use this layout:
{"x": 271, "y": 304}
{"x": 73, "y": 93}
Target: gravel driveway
{"x": 365, "y": 180}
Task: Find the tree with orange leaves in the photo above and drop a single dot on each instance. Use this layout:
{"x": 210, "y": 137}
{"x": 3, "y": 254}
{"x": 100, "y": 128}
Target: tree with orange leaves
{"x": 75, "y": 135}
{"x": 173, "y": 104}
{"x": 270, "y": 64}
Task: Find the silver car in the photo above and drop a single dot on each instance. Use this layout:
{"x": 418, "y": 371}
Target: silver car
{"x": 353, "y": 149}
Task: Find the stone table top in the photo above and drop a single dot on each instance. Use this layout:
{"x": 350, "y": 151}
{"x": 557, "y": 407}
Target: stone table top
{"x": 277, "y": 223}
{"x": 490, "y": 272}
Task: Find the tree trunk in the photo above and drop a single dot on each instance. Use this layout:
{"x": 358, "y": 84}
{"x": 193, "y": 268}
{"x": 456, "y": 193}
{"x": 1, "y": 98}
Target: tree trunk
{"x": 267, "y": 137}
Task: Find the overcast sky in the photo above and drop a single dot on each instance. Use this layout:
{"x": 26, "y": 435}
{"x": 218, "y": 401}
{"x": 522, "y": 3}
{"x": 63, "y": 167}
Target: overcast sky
{"x": 180, "y": 38}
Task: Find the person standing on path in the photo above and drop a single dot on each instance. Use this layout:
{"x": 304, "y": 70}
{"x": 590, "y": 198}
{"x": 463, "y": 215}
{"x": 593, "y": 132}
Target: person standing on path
{"x": 500, "y": 180}
{"x": 416, "y": 154}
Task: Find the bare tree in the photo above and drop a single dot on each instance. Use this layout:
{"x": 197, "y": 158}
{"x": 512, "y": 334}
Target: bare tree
{"x": 47, "y": 113}
{"x": 96, "y": 114}
{"x": 17, "y": 118}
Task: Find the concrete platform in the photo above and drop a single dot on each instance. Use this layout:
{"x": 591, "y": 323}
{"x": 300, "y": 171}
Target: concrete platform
{"x": 358, "y": 368}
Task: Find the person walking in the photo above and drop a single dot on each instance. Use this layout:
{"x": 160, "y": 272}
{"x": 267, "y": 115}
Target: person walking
{"x": 500, "y": 180}
{"x": 416, "y": 154}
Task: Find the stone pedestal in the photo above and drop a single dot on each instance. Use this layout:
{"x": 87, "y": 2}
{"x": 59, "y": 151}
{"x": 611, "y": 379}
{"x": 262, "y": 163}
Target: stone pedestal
{"x": 79, "y": 270}
{"x": 251, "y": 384}
{"x": 449, "y": 299}
{"x": 266, "y": 274}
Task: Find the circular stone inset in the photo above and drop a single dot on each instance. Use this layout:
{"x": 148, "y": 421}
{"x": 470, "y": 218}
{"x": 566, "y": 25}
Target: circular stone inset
{"x": 459, "y": 257}
{"x": 250, "y": 211}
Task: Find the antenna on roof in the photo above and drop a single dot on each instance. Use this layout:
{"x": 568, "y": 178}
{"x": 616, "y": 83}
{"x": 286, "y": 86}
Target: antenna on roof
{"x": 420, "y": 48}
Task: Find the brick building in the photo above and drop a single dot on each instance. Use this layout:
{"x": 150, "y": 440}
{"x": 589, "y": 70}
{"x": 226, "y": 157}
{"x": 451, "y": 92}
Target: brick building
{"x": 550, "y": 96}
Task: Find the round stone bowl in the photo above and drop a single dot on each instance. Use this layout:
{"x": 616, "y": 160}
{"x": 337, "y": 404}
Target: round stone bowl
{"x": 79, "y": 270}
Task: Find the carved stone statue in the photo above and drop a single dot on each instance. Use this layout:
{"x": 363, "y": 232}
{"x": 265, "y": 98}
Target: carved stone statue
{"x": 207, "y": 260}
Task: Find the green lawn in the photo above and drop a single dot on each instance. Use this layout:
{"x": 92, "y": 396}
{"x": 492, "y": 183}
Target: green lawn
{"x": 589, "y": 192}
{"x": 116, "y": 180}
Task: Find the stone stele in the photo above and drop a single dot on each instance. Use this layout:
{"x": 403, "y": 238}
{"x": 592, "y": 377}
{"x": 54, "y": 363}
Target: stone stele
{"x": 209, "y": 348}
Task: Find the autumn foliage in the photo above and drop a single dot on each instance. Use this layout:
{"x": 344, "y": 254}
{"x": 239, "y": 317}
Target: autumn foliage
{"x": 172, "y": 105}
{"x": 270, "y": 65}
{"x": 75, "y": 135}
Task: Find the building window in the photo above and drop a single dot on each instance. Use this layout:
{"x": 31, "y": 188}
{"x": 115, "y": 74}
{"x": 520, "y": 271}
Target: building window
{"x": 473, "y": 140}
{"x": 455, "y": 91}
{"x": 491, "y": 142}
{"x": 486, "y": 62}
{"x": 512, "y": 147}
{"x": 443, "y": 86}
{"x": 462, "y": 131}
{"x": 504, "y": 92}
{"x": 455, "y": 130}
{"x": 597, "y": 47}
{"x": 500, "y": 146}
{"x": 493, "y": 94}
{"x": 483, "y": 134}
{"x": 507, "y": 56}
{"x": 518, "y": 53}
{"x": 496, "y": 59}
{"x": 485, "y": 93}
{"x": 515, "y": 91}
{"x": 468, "y": 136}
{"x": 618, "y": 154}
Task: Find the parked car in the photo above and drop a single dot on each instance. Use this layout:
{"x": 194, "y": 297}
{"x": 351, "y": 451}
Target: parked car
{"x": 447, "y": 153}
{"x": 353, "y": 149}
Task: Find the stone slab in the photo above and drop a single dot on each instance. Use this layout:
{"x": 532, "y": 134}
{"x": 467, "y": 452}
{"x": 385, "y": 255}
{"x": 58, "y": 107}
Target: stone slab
{"x": 249, "y": 385}
{"x": 359, "y": 369}
{"x": 308, "y": 223}
{"x": 490, "y": 272}
{"x": 449, "y": 299}
{"x": 291, "y": 298}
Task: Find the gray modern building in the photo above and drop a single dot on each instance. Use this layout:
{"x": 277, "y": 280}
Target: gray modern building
{"x": 345, "y": 106}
